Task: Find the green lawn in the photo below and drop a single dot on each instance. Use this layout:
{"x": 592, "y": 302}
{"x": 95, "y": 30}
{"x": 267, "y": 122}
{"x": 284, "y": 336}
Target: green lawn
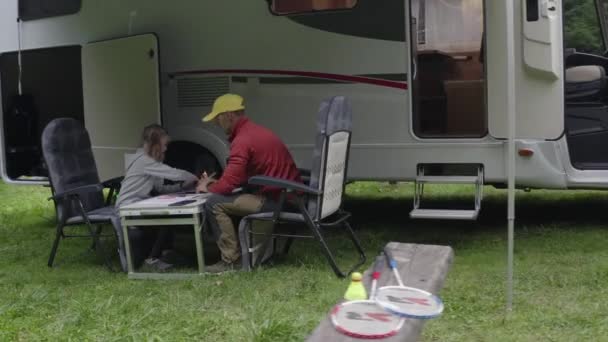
{"x": 561, "y": 275}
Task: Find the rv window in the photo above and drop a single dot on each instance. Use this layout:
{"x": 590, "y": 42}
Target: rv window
{"x": 582, "y": 27}
{"x": 366, "y": 20}
{"x": 38, "y": 9}
{"x": 284, "y": 7}
{"x": 453, "y": 26}
{"x": 532, "y": 10}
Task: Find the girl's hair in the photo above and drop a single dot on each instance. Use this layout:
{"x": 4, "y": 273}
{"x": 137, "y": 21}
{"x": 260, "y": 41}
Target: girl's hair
{"x": 152, "y": 138}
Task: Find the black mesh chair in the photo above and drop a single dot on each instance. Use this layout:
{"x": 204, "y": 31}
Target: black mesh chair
{"x": 317, "y": 204}
{"x": 76, "y": 189}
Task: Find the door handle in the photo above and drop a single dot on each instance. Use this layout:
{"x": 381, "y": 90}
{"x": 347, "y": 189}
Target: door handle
{"x": 546, "y": 7}
{"x": 415, "y": 67}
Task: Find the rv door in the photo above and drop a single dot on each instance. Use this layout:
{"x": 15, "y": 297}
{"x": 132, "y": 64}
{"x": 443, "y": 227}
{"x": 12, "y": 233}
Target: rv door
{"x": 51, "y": 84}
{"x": 121, "y": 96}
{"x": 539, "y": 71}
{"x": 112, "y": 86}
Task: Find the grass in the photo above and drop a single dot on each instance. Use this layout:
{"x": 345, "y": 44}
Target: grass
{"x": 561, "y": 271}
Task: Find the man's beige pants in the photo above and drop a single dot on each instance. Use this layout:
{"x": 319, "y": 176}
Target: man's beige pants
{"x": 221, "y": 209}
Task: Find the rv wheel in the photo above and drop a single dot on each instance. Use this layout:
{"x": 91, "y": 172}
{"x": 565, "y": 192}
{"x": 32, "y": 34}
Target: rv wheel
{"x": 206, "y": 162}
{"x": 192, "y": 157}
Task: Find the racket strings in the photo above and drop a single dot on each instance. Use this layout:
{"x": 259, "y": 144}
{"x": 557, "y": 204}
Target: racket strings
{"x": 406, "y": 301}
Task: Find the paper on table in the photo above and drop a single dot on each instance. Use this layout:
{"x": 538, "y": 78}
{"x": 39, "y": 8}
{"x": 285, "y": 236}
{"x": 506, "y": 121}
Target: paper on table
{"x": 165, "y": 200}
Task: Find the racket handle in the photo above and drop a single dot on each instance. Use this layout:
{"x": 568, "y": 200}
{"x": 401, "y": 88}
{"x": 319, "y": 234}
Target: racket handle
{"x": 377, "y": 267}
{"x": 392, "y": 263}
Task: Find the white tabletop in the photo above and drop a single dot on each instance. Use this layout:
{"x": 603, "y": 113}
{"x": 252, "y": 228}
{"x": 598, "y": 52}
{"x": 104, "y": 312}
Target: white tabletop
{"x": 167, "y": 204}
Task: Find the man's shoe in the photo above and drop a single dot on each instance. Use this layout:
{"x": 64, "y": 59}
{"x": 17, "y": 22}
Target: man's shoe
{"x": 221, "y": 267}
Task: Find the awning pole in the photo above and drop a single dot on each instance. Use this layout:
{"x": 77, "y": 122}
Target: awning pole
{"x": 510, "y": 52}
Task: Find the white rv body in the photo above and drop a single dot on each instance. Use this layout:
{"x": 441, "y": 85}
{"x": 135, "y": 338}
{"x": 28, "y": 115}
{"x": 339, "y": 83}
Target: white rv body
{"x": 284, "y": 68}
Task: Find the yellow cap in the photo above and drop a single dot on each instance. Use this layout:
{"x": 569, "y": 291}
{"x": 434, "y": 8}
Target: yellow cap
{"x": 225, "y": 103}
{"x": 356, "y": 276}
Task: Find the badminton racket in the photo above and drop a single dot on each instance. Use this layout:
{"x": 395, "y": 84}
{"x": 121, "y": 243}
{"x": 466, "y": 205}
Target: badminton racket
{"x": 365, "y": 318}
{"x": 407, "y": 301}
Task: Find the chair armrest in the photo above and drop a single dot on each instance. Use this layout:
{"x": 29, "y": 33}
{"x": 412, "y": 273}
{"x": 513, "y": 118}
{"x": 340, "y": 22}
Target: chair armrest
{"x": 305, "y": 175}
{"x": 76, "y": 191}
{"x": 304, "y": 172}
{"x": 114, "y": 185}
{"x": 113, "y": 182}
{"x": 283, "y": 184}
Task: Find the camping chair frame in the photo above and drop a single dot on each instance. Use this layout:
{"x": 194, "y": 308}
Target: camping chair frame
{"x": 94, "y": 225}
{"x": 298, "y": 195}
{"x": 340, "y": 218}
{"x": 75, "y": 187}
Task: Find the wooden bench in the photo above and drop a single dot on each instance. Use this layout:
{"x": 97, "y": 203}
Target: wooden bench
{"x": 421, "y": 266}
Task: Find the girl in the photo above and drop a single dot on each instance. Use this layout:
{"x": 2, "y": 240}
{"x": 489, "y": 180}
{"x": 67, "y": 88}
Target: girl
{"x": 145, "y": 176}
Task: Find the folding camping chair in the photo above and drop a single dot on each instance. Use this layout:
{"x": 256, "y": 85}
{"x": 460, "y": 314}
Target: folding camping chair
{"x": 75, "y": 186}
{"x": 317, "y": 204}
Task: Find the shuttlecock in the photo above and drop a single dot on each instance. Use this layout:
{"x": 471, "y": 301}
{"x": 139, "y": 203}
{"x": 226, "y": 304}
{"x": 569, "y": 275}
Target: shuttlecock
{"x": 355, "y": 290}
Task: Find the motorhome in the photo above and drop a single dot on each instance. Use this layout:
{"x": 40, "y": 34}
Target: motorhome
{"x": 426, "y": 79}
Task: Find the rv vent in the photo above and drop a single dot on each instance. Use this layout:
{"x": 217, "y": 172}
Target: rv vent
{"x": 200, "y": 92}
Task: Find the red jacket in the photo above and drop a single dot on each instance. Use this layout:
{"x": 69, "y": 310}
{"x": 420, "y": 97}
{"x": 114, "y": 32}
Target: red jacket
{"x": 255, "y": 151}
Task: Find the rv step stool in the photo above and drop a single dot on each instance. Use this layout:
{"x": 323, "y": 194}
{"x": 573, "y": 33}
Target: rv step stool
{"x": 447, "y": 214}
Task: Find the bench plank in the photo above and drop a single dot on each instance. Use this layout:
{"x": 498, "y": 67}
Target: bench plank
{"x": 421, "y": 266}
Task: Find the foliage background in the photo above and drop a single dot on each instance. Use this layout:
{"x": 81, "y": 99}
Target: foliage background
{"x": 581, "y": 26}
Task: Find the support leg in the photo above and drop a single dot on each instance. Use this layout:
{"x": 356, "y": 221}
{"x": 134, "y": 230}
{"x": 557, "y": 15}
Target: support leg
{"x": 97, "y": 232}
{"x": 198, "y": 238}
{"x": 98, "y": 245}
{"x": 58, "y": 235}
{"x": 314, "y": 227}
{"x": 125, "y": 234}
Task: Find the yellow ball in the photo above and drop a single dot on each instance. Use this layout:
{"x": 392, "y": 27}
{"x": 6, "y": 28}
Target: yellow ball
{"x": 356, "y": 276}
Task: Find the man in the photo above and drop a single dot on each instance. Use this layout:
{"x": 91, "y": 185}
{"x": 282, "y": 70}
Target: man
{"x": 254, "y": 151}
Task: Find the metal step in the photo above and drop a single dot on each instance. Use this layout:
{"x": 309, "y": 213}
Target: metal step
{"x": 444, "y": 214}
{"x": 448, "y": 179}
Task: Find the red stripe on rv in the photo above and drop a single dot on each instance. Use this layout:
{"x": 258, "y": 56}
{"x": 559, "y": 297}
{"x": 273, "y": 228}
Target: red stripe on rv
{"x": 310, "y": 74}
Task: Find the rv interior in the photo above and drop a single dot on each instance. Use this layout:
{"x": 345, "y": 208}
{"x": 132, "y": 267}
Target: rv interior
{"x": 51, "y": 87}
{"x": 448, "y": 79}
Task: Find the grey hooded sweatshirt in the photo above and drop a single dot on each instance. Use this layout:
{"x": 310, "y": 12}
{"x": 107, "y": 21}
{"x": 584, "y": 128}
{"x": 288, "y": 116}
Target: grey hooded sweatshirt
{"x": 145, "y": 174}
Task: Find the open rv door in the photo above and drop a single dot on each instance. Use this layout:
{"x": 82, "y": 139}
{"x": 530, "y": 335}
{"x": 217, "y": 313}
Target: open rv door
{"x": 538, "y": 70}
{"x": 51, "y": 88}
{"x": 121, "y": 96}
{"x": 112, "y": 86}
{"x": 586, "y": 100}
